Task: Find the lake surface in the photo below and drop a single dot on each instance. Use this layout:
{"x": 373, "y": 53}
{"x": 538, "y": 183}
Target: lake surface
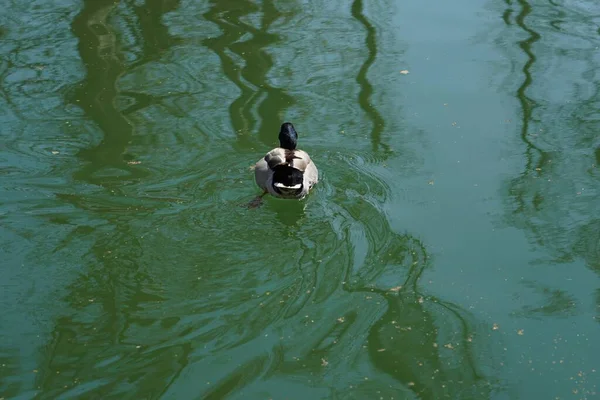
{"x": 451, "y": 249}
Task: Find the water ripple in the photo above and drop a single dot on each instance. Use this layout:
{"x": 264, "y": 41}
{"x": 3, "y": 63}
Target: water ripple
{"x": 172, "y": 285}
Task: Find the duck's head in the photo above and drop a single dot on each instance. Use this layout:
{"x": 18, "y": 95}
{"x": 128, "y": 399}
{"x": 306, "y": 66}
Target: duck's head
{"x": 288, "y": 138}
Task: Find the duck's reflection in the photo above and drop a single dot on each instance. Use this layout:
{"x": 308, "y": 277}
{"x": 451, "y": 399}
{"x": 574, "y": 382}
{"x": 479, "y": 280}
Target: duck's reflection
{"x": 289, "y": 212}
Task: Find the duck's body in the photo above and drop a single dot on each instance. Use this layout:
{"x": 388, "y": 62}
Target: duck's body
{"x": 285, "y": 171}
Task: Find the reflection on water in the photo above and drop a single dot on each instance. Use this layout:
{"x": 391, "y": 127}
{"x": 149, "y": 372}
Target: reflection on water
{"x": 554, "y": 302}
{"x": 34, "y": 163}
{"x": 97, "y": 93}
{"x": 108, "y": 298}
{"x": 156, "y": 37}
{"x": 429, "y": 345}
{"x": 528, "y": 105}
{"x": 364, "y": 97}
{"x": 553, "y": 197}
{"x": 164, "y": 287}
{"x": 243, "y": 314}
{"x": 242, "y": 40}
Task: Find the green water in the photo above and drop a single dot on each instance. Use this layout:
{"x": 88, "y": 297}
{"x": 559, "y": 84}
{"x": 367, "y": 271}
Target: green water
{"x": 451, "y": 249}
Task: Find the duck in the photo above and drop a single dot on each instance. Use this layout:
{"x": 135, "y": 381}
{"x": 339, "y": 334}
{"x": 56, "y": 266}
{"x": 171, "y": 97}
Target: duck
{"x": 286, "y": 172}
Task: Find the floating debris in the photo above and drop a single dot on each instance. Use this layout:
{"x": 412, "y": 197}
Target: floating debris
{"x": 324, "y": 362}
{"x": 495, "y": 326}
{"x": 134, "y": 162}
{"x": 521, "y": 332}
{"x": 404, "y": 72}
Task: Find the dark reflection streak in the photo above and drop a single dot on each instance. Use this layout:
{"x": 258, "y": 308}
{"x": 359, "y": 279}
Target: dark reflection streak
{"x": 222, "y": 13}
{"x": 597, "y": 152}
{"x": 156, "y": 37}
{"x": 506, "y": 16}
{"x": 561, "y": 14}
{"x": 556, "y": 25}
{"x": 277, "y": 100}
{"x": 5, "y": 93}
{"x": 97, "y": 92}
{"x": 156, "y": 41}
{"x": 469, "y": 351}
{"x": 142, "y": 100}
{"x": 227, "y": 15}
{"x": 237, "y": 379}
{"x": 409, "y": 335}
{"x": 527, "y": 104}
{"x": 508, "y": 12}
{"x": 183, "y": 362}
{"x": 366, "y": 90}
{"x": 95, "y": 95}
{"x": 106, "y": 299}
{"x": 410, "y": 286}
{"x": 553, "y": 226}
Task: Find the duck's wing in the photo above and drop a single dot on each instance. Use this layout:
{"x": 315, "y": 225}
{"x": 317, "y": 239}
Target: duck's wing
{"x": 276, "y": 157}
{"x": 264, "y": 166}
{"x": 298, "y": 159}
{"x": 311, "y": 175}
{"x": 261, "y": 174}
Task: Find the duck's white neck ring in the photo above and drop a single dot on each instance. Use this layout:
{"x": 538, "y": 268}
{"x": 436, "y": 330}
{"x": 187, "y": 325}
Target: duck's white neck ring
{"x": 292, "y": 190}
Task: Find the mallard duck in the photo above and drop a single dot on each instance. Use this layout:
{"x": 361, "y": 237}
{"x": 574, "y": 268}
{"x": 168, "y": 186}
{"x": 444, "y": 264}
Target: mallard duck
{"x": 285, "y": 171}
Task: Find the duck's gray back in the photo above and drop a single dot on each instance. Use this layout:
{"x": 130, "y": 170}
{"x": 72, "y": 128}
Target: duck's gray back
{"x": 294, "y": 158}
